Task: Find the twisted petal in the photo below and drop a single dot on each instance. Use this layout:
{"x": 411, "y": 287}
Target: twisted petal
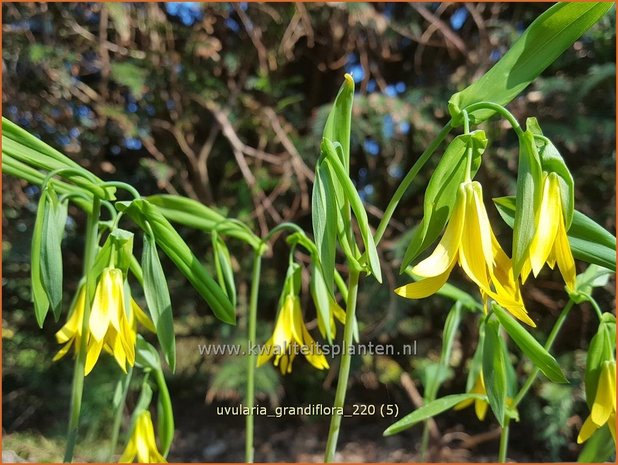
{"x": 548, "y": 220}
{"x": 73, "y": 326}
{"x": 142, "y": 317}
{"x": 445, "y": 254}
{"x": 564, "y": 256}
{"x": 588, "y": 429}
{"x": 605, "y": 400}
{"x": 142, "y": 442}
{"x": 314, "y": 355}
{"x": 103, "y": 304}
{"x": 266, "y": 353}
{"x": 92, "y": 354}
{"x": 425, "y": 287}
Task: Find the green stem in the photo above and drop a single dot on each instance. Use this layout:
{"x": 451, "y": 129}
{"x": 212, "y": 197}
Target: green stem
{"x": 344, "y": 368}
{"x": 123, "y": 185}
{"x": 126, "y": 381}
{"x": 498, "y": 109}
{"x": 504, "y": 441}
{"x": 407, "y": 180}
{"x": 80, "y": 361}
{"x": 252, "y": 356}
{"x": 424, "y": 442}
{"x": 548, "y": 345}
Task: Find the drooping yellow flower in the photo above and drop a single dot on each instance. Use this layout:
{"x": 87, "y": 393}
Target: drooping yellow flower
{"x": 604, "y": 406}
{"x": 335, "y": 312}
{"x": 290, "y": 337}
{"x": 469, "y": 240}
{"x": 110, "y": 326}
{"x": 480, "y": 405}
{"x": 550, "y": 243}
{"x": 142, "y": 442}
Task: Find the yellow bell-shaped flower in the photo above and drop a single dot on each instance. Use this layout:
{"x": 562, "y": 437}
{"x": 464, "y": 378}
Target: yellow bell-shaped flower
{"x": 290, "y": 337}
{"x": 480, "y": 405}
{"x": 110, "y": 326}
{"x": 550, "y": 243}
{"x": 604, "y": 406}
{"x": 469, "y": 240}
{"x": 142, "y": 442}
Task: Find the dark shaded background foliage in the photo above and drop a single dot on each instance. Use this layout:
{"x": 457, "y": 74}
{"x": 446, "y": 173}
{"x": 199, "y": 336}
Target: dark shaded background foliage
{"x": 225, "y": 103}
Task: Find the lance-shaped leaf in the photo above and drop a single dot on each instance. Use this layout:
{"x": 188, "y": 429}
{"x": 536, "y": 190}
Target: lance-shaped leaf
{"x": 494, "y": 369}
{"x": 25, "y": 147}
{"x": 351, "y": 195}
{"x": 194, "y": 214}
{"x": 39, "y": 296}
{"x": 339, "y": 121}
{"x": 538, "y": 47}
{"x": 166, "y": 237}
{"x": 324, "y": 220}
{"x": 321, "y": 299}
{"x": 51, "y": 251}
{"x": 158, "y": 300}
{"x": 602, "y": 347}
{"x": 589, "y": 241}
{"x": 542, "y": 359}
{"x": 527, "y": 200}
{"x": 441, "y": 192}
{"x": 223, "y": 266}
{"x": 429, "y": 410}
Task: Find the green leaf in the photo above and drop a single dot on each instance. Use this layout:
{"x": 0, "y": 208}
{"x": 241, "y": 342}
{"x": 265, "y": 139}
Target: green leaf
{"x": 339, "y": 121}
{"x": 51, "y": 252}
{"x": 429, "y": 410}
{"x": 602, "y": 347}
{"x": 194, "y": 214}
{"x": 589, "y": 241}
{"x": 146, "y": 356}
{"x": 223, "y": 265}
{"x": 321, "y": 299}
{"x": 351, "y": 195}
{"x": 324, "y": 220}
{"x": 599, "y": 448}
{"x": 552, "y": 162}
{"x": 158, "y": 300}
{"x": 39, "y": 296}
{"x": 594, "y": 276}
{"x": 165, "y": 414}
{"x": 542, "y": 359}
{"x": 538, "y": 47}
{"x": 441, "y": 192}
{"x": 22, "y": 146}
{"x": 527, "y": 200}
{"x": 166, "y": 237}
{"x": 494, "y": 369}
{"x": 448, "y": 337}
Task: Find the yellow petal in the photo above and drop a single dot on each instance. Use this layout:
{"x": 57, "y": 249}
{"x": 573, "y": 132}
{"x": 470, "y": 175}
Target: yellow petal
{"x": 297, "y": 323}
{"x": 425, "y": 287}
{"x": 73, "y": 326}
{"x": 337, "y": 311}
{"x": 549, "y": 216}
{"x": 588, "y": 428}
{"x": 475, "y": 243}
{"x": 564, "y": 257}
{"x": 480, "y": 408}
{"x": 116, "y": 310}
{"x": 100, "y": 312}
{"x": 92, "y": 354}
{"x": 129, "y": 452}
{"x": 445, "y": 253}
{"x": 314, "y": 356}
{"x": 266, "y": 353}
{"x": 142, "y": 317}
{"x": 605, "y": 400}
{"x": 118, "y": 351}
{"x": 463, "y": 404}
{"x": 63, "y": 351}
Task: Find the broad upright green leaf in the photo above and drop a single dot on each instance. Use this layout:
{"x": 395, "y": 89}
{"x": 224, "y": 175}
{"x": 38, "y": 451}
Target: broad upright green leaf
{"x": 158, "y": 300}
{"x": 324, "y": 220}
{"x": 552, "y": 161}
{"x": 321, "y": 299}
{"x": 538, "y": 47}
{"x": 494, "y": 369}
{"x": 527, "y": 200}
{"x": 589, "y": 241}
{"x": 441, "y": 192}
{"x": 166, "y": 237}
{"x": 542, "y": 359}
{"x": 339, "y": 122}
{"x": 356, "y": 203}
{"x": 429, "y": 410}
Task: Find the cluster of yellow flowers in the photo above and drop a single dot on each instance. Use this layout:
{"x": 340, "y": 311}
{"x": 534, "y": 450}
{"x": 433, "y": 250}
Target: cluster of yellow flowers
{"x": 111, "y": 326}
{"x": 470, "y": 241}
